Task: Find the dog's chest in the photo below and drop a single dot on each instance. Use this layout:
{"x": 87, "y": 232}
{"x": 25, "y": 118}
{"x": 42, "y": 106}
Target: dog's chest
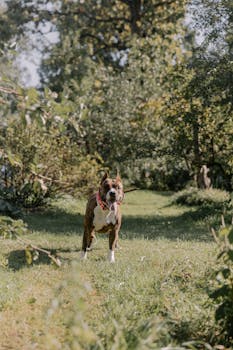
{"x": 103, "y": 218}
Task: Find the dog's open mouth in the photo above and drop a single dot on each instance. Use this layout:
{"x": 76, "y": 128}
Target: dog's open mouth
{"x": 112, "y": 205}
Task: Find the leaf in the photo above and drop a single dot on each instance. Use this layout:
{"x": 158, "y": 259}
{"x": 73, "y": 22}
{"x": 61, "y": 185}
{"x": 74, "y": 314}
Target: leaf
{"x": 14, "y": 160}
{"x": 6, "y": 220}
{"x": 224, "y": 231}
{"x": 26, "y": 188}
{"x": 28, "y": 255}
{"x": 32, "y": 98}
{"x": 37, "y": 187}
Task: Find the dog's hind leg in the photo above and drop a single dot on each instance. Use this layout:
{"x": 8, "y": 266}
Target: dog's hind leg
{"x": 117, "y": 246}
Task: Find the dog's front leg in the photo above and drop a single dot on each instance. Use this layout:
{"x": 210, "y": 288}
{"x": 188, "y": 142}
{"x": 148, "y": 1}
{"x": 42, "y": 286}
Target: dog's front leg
{"x": 113, "y": 238}
{"x": 87, "y": 240}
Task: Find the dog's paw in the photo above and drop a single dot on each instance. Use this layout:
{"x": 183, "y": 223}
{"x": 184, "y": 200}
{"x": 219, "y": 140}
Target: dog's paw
{"x": 83, "y": 255}
{"x": 118, "y": 247}
{"x": 111, "y": 256}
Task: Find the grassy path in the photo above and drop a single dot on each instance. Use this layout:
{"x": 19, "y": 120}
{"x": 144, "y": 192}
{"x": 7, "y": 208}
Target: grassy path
{"x": 154, "y": 296}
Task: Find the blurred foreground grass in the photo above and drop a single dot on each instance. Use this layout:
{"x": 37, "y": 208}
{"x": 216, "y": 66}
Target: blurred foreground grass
{"x": 154, "y": 296}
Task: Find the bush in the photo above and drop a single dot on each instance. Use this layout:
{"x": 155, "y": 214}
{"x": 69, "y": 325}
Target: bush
{"x": 160, "y": 174}
{"x": 36, "y": 162}
{"x": 9, "y": 209}
{"x": 10, "y": 228}
{"x": 208, "y": 198}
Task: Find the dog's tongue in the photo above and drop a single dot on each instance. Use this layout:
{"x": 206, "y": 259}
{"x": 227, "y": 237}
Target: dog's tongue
{"x": 113, "y": 206}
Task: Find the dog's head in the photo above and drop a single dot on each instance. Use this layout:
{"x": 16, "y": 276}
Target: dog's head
{"x": 111, "y": 190}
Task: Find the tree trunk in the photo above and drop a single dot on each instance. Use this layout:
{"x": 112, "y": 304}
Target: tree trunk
{"x": 196, "y": 148}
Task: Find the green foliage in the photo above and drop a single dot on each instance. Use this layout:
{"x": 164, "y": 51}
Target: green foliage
{"x": 119, "y": 50}
{"x": 7, "y": 207}
{"x": 212, "y": 198}
{"x": 10, "y": 228}
{"x": 222, "y": 295}
{"x": 133, "y": 88}
{"x": 41, "y": 152}
{"x": 106, "y": 36}
{"x": 197, "y": 118}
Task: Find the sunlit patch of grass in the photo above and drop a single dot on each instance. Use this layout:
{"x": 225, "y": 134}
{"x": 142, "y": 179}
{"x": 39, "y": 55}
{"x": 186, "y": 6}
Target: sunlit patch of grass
{"x": 153, "y": 279}
{"x": 154, "y": 295}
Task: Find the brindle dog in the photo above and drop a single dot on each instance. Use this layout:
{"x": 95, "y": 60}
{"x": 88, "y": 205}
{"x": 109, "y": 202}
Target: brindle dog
{"x": 103, "y": 214}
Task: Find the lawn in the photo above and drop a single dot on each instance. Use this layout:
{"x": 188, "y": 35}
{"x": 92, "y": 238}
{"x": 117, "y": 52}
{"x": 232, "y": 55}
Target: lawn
{"x": 153, "y": 297}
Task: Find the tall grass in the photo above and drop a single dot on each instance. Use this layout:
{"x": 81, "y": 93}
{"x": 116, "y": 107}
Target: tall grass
{"x": 153, "y": 297}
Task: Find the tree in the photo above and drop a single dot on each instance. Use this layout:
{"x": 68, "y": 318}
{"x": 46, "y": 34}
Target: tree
{"x": 38, "y": 153}
{"x": 197, "y": 101}
{"x": 103, "y": 34}
{"x": 106, "y": 34}
{"x": 145, "y": 96}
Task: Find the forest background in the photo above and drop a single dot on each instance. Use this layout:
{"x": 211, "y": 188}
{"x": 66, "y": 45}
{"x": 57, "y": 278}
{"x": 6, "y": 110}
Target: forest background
{"x": 144, "y": 87}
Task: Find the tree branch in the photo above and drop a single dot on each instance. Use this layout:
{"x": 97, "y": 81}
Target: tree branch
{"x": 163, "y": 3}
{"x": 9, "y": 91}
{"x": 29, "y": 245}
{"x": 81, "y": 12}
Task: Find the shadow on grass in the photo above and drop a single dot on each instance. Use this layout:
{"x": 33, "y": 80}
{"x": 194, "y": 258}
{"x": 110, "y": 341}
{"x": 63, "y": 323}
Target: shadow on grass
{"x": 190, "y": 225}
{"x": 17, "y": 259}
{"x": 187, "y": 226}
{"x": 55, "y": 222}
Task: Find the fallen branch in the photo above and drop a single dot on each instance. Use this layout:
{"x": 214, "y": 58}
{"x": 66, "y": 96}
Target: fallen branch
{"x": 223, "y": 221}
{"x": 214, "y": 235}
{"x": 30, "y": 246}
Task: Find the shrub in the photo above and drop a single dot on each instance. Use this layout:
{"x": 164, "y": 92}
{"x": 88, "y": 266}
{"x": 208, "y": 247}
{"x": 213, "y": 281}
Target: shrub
{"x": 10, "y": 228}
{"x": 208, "y": 198}
{"x": 8, "y": 209}
{"x": 36, "y": 162}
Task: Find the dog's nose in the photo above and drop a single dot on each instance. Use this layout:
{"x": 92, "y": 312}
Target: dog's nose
{"x": 112, "y": 193}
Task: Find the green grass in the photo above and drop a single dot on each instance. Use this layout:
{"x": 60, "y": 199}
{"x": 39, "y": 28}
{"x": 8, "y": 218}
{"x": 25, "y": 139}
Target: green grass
{"x": 154, "y": 296}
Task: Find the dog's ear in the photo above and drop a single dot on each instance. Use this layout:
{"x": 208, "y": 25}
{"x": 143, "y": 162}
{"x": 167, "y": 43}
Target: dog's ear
{"x": 104, "y": 177}
{"x": 118, "y": 177}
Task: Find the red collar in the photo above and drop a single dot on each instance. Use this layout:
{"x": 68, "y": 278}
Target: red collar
{"x": 101, "y": 203}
